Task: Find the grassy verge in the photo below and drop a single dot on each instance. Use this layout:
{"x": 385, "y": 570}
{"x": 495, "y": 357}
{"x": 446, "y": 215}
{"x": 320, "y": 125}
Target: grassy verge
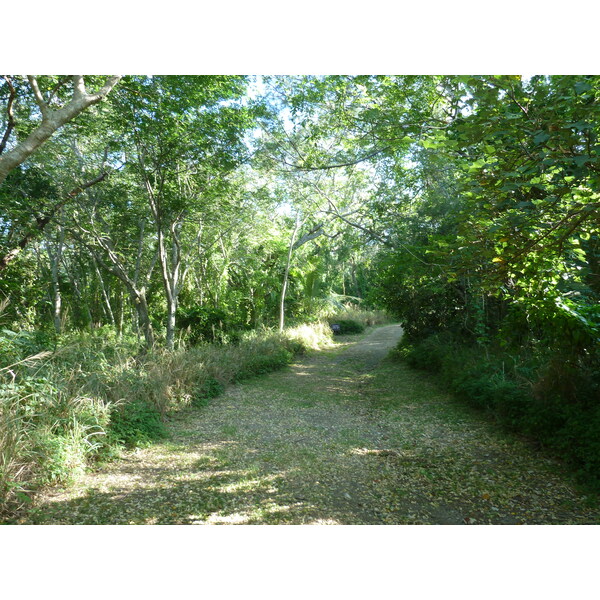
{"x": 62, "y": 411}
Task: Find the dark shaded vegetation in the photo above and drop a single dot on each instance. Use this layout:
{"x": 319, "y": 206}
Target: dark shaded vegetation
{"x": 543, "y": 397}
{"x": 347, "y": 326}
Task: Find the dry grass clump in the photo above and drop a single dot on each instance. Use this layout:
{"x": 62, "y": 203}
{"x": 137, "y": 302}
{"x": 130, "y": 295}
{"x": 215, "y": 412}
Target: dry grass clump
{"x": 367, "y": 318}
{"x": 194, "y": 375}
{"x": 315, "y": 336}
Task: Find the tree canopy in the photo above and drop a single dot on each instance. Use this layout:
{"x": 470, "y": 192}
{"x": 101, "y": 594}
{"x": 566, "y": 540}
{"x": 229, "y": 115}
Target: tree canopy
{"x": 176, "y": 193}
{"x": 172, "y": 218}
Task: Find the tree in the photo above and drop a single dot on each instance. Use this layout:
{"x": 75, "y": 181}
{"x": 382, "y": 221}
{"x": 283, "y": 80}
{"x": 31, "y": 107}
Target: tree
{"x": 52, "y": 119}
{"x": 35, "y": 114}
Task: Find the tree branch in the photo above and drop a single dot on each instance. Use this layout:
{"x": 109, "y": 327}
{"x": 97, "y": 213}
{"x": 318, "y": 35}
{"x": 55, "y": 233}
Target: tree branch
{"x": 40, "y": 223}
{"x": 11, "y": 118}
{"x": 52, "y": 120}
{"x": 39, "y": 99}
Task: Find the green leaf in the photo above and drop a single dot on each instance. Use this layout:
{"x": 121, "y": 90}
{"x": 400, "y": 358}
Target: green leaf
{"x": 582, "y": 86}
{"x": 23, "y": 497}
{"x": 429, "y": 144}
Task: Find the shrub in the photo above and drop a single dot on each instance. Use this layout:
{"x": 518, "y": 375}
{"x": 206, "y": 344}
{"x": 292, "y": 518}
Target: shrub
{"x": 348, "y": 326}
{"x": 429, "y": 354}
{"x": 204, "y": 323}
{"x": 315, "y": 336}
{"x": 365, "y": 318}
{"x": 136, "y": 423}
{"x": 202, "y": 393}
{"x": 564, "y": 416}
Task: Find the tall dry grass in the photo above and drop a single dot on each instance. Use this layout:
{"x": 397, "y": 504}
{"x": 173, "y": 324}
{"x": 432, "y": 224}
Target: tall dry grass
{"x": 367, "y": 318}
{"x": 59, "y": 414}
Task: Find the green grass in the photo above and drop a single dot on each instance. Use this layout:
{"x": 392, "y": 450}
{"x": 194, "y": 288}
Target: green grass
{"x": 67, "y": 411}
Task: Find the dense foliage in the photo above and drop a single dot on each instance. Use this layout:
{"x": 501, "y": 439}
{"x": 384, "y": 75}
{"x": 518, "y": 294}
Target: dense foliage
{"x": 500, "y": 291}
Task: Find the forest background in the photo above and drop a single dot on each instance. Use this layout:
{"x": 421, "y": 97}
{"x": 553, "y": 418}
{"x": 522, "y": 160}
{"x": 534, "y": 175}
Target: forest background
{"x": 151, "y": 216}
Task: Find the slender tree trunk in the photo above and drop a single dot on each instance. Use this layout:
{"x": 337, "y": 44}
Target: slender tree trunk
{"x": 85, "y": 307}
{"x": 286, "y": 275}
{"x": 121, "y": 313}
{"x": 55, "y": 260}
{"x": 136, "y": 292}
{"x": 56, "y": 301}
{"x": 105, "y": 296}
{"x": 141, "y": 306}
{"x": 172, "y": 311}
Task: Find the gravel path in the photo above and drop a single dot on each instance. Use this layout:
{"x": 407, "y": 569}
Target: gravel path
{"x": 344, "y": 436}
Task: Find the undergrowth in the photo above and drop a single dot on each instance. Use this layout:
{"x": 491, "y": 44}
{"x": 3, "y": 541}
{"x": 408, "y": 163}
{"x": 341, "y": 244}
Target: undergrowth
{"x": 538, "y": 394}
{"x": 64, "y": 408}
{"x": 356, "y": 320}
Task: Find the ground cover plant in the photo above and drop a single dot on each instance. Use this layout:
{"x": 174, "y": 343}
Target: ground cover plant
{"x": 342, "y": 436}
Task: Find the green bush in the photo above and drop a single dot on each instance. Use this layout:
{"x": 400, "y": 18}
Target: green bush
{"x": 204, "y": 323}
{"x": 579, "y": 440}
{"x": 202, "y": 393}
{"x": 428, "y": 355}
{"x": 61, "y": 456}
{"x": 557, "y": 408}
{"x": 261, "y": 364}
{"x": 17, "y": 346}
{"x": 136, "y": 423}
{"x": 348, "y": 326}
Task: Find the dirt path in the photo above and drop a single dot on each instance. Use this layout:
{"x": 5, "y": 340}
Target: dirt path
{"x": 343, "y": 436}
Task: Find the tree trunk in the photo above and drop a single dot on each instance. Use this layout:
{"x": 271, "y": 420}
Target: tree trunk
{"x": 141, "y": 306}
{"x": 105, "y": 296}
{"x": 286, "y": 274}
{"x": 52, "y": 120}
{"x": 121, "y": 314}
{"x": 55, "y": 259}
{"x": 172, "y": 310}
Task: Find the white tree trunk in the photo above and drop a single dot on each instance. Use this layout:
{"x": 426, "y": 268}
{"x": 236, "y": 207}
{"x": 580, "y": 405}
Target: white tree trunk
{"x": 286, "y": 274}
{"x": 52, "y": 120}
{"x": 55, "y": 259}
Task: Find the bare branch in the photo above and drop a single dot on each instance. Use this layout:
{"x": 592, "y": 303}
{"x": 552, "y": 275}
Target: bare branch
{"x": 39, "y": 99}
